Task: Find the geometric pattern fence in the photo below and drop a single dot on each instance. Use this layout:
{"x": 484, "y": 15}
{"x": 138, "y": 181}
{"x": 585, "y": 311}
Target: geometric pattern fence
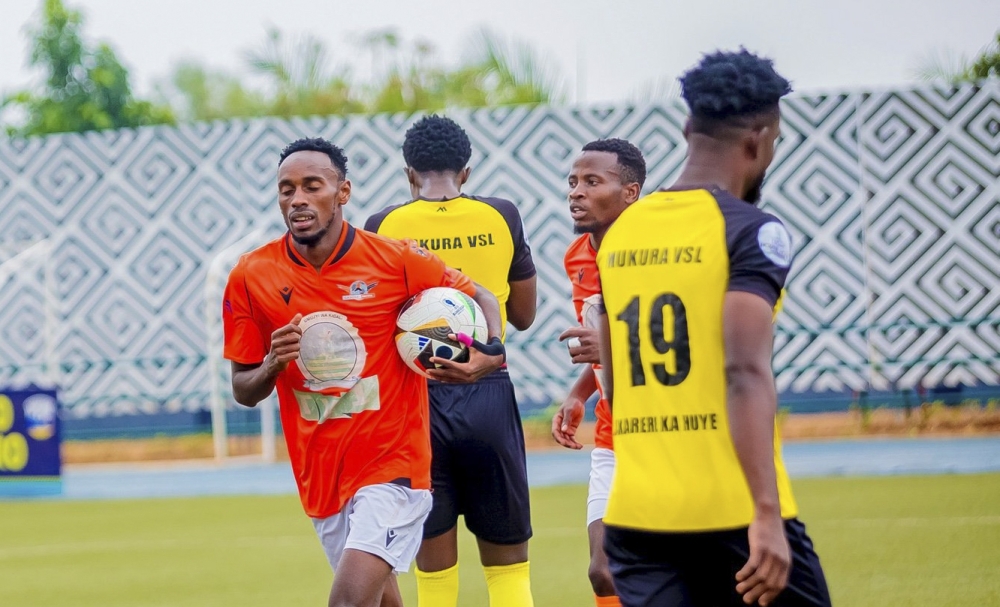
{"x": 892, "y": 197}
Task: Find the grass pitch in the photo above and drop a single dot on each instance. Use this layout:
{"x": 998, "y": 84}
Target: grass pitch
{"x": 930, "y": 540}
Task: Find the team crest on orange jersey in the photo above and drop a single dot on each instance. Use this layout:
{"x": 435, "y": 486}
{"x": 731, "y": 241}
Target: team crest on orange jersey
{"x": 359, "y": 290}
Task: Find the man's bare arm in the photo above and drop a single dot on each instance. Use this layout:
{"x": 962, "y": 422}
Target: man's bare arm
{"x": 752, "y": 403}
{"x": 567, "y": 419}
{"x": 491, "y": 309}
{"x": 253, "y": 383}
{"x": 522, "y": 302}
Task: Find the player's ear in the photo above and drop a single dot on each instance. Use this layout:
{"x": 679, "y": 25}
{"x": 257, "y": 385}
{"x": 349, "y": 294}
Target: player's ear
{"x": 752, "y": 141}
{"x": 412, "y": 177}
{"x": 631, "y": 191}
{"x": 767, "y": 137}
{"x": 344, "y": 192}
{"x": 688, "y": 128}
{"x": 762, "y": 137}
{"x": 463, "y": 175}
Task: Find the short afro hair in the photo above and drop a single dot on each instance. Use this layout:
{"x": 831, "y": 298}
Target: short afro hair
{"x": 633, "y": 165}
{"x": 435, "y": 143}
{"x": 729, "y": 88}
{"x": 317, "y": 144}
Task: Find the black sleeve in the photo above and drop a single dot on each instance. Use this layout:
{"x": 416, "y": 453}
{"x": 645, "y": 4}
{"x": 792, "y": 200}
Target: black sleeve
{"x": 760, "y": 250}
{"x": 522, "y": 266}
{"x": 374, "y": 222}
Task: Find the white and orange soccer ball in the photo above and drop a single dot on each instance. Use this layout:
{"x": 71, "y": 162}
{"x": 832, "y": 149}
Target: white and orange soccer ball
{"x": 426, "y": 320}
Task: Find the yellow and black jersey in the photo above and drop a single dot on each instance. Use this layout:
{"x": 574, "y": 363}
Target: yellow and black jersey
{"x": 481, "y": 237}
{"x": 665, "y": 266}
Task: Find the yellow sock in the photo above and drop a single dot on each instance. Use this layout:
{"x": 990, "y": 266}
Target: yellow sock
{"x": 607, "y": 601}
{"x": 438, "y": 588}
{"x": 509, "y": 585}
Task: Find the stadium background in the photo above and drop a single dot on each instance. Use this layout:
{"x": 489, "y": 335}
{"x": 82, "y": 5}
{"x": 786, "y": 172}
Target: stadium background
{"x": 116, "y": 245}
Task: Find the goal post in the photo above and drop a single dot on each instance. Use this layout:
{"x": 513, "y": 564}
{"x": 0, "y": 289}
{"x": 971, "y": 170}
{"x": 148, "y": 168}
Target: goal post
{"x": 36, "y": 257}
{"x": 219, "y": 373}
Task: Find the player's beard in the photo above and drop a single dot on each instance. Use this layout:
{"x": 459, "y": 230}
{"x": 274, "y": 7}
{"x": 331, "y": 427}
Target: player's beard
{"x": 594, "y": 227}
{"x": 313, "y": 239}
{"x": 754, "y": 192}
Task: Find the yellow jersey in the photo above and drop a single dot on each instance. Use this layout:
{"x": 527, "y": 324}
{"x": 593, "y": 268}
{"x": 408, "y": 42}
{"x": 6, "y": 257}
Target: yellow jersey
{"x": 665, "y": 266}
{"x": 481, "y": 237}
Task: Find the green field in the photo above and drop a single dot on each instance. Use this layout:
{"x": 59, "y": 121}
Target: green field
{"x": 897, "y": 541}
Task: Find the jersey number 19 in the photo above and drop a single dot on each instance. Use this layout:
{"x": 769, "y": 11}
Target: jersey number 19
{"x": 632, "y": 316}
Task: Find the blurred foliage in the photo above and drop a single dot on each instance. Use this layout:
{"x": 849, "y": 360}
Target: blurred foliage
{"x": 987, "y": 65}
{"x": 957, "y": 70}
{"x": 86, "y": 88}
{"x": 299, "y": 76}
{"x": 657, "y": 90}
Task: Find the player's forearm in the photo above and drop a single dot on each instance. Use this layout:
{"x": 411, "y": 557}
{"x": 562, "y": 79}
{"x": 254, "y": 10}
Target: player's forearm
{"x": 522, "y": 303}
{"x": 252, "y": 385}
{"x": 520, "y": 317}
{"x": 752, "y": 403}
{"x": 585, "y": 384}
{"x": 491, "y": 310}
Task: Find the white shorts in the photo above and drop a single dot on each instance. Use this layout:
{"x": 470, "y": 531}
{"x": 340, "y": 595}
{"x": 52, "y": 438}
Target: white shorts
{"x": 386, "y": 520}
{"x": 602, "y": 469}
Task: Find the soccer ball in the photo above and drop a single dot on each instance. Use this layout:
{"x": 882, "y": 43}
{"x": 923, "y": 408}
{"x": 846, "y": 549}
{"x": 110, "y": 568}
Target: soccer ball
{"x": 426, "y": 320}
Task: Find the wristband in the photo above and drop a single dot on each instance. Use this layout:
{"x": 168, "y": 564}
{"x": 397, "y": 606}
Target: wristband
{"x": 494, "y": 347}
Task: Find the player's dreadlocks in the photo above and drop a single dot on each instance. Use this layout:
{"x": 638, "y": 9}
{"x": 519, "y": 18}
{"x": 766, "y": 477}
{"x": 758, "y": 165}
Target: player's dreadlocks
{"x": 633, "y": 165}
{"x": 436, "y": 143}
{"x": 731, "y": 89}
{"x": 317, "y": 144}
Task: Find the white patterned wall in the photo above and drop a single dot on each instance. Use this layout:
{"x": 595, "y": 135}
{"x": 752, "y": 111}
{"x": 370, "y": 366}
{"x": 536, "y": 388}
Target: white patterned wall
{"x": 893, "y": 198}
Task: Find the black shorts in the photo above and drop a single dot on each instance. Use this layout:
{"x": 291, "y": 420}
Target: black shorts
{"x": 699, "y": 569}
{"x": 478, "y": 467}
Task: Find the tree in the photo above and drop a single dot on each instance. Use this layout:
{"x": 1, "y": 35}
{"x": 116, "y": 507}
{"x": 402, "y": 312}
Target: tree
{"x": 958, "y": 70}
{"x": 512, "y": 72}
{"x": 987, "y": 65}
{"x": 197, "y": 93}
{"x": 301, "y": 79}
{"x": 658, "y": 90}
{"x": 85, "y": 89}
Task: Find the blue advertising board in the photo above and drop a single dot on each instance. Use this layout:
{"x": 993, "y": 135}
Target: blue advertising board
{"x": 30, "y": 463}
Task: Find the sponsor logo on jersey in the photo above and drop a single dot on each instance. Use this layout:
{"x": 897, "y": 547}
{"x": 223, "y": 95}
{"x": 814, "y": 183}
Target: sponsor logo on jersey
{"x": 331, "y": 352}
{"x": 359, "y": 290}
{"x": 776, "y": 243}
{"x": 447, "y": 243}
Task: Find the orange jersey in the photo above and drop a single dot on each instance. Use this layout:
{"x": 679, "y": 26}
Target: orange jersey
{"x": 581, "y": 267}
{"x": 352, "y": 412}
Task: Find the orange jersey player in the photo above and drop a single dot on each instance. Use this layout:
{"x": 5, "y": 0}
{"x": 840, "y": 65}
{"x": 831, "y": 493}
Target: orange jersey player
{"x": 605, "y": 179}
{"x": 313, "y": 315}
